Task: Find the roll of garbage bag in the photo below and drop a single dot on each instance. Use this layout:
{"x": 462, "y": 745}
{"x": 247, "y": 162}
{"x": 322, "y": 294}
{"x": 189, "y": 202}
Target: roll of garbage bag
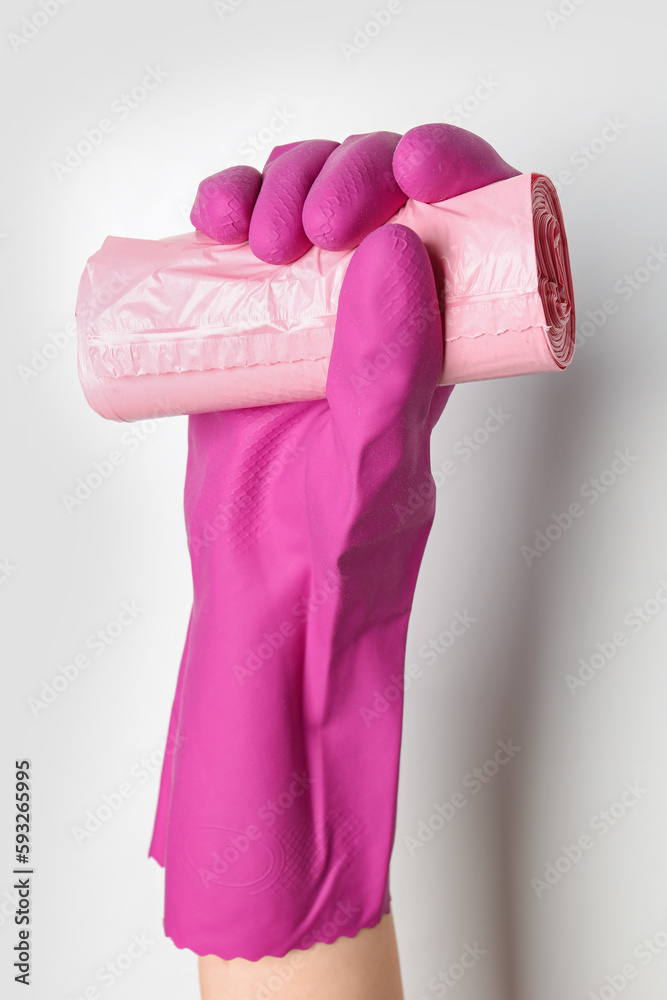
{"x": 187, "y": 325}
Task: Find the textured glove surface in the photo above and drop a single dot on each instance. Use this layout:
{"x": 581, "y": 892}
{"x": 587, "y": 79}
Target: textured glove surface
{"x": 277, "y": 806}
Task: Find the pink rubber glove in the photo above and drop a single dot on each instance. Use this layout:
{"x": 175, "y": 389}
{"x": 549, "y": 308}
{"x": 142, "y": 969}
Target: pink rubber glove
{"x": 319, "y": 192}
{"x": 277, "y": 807}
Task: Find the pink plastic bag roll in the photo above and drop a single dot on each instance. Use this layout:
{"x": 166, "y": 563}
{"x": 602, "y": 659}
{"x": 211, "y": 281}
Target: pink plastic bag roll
{"x": 187, "y": 325}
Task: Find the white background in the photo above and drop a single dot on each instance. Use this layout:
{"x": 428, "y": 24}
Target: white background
{"x": 554, "y": 85}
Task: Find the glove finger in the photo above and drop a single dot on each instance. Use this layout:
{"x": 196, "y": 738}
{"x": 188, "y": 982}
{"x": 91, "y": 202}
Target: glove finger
{"x": 224, "y": 202}
{"x": 279, "y": 150}
{"x": 276, "y": 230}
{"x": 434, "y": 162}
{"x": 355, "y": 192}
{"x": 388, "y": 347}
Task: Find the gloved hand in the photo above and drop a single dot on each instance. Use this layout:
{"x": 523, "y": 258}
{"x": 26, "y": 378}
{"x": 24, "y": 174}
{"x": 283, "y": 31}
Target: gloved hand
{"x": 319, "y": 192}
{"x": 277, "y": 807}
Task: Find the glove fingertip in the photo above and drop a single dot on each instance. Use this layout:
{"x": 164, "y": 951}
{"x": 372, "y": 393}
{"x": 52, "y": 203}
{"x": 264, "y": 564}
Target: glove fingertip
{"x": 438, "y": 161}
{"x": 276, "y": 234}
{"x": 224, "y": 203}
{"x": 388, "y": 346}
{"x": 355, "y": 192}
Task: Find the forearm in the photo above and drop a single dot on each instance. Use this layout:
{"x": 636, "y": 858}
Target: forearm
{"x": 365, "y": 967}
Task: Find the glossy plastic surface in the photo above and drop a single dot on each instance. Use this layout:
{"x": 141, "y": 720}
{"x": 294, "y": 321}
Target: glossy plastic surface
{"x": 188, "y": 325}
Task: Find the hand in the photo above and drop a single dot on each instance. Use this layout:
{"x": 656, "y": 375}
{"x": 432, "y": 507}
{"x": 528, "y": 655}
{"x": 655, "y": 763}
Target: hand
{"x": 319, "y": 192}
{"x": 306, "y": 527}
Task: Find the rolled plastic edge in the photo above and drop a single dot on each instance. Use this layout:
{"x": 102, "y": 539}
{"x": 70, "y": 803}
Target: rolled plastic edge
{"x": 545, "y": 340}
{"x": 553, "y": 270}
